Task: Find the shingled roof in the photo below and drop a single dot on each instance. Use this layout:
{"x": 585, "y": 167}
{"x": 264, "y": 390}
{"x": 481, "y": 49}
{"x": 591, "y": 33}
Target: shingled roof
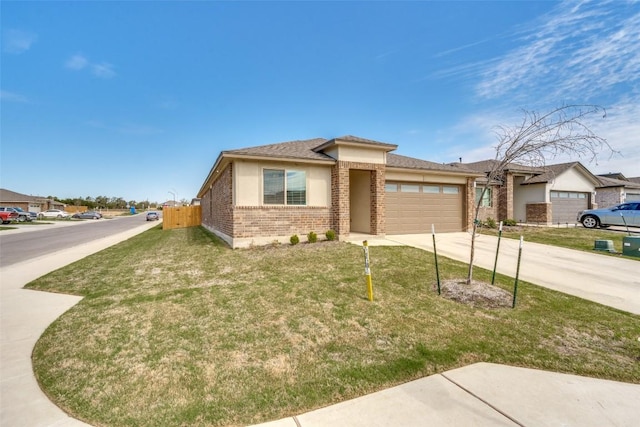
{"x": 551, "y": 171}
{"x": 487, "y": 166}
{"x": 612, "y": 182}
{"x": 303, "y": 150}
{"x": 404, "y": 162}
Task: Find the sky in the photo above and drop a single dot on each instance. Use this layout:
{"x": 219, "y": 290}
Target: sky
{"x": 136, "y": 99}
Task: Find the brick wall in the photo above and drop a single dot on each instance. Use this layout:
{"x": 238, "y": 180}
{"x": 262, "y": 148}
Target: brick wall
{"x": 266, "y": 221}
{"x": 539, "y": 213}
{"x": 217, "y": 204}
{"x": 606, "y": 197}
{"x": 505, "y": 198}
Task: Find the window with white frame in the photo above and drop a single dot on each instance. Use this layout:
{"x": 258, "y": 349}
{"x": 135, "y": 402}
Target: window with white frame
{"x": 486, "y": 197}
{"x": 280, "y": 187}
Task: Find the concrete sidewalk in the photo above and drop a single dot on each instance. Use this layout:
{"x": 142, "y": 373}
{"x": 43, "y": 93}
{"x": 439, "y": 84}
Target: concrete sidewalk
{"x": 485, "y": 394}
{"x": 24, "y": 316}
{"x": 477, "y": 395}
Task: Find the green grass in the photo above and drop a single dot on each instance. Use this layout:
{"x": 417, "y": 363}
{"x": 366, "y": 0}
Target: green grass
{"x": 573, "y": 238}
{"x": 177, "y": 329}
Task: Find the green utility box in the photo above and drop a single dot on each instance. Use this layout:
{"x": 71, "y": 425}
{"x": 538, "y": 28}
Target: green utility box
{"x": 631, "y": 246}
{"x": 604, "y": 245}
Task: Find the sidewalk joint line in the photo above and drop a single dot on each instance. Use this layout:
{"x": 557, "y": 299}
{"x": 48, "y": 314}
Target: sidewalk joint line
{"x": 504, "y": 414}
{"x": 295, "y": 420}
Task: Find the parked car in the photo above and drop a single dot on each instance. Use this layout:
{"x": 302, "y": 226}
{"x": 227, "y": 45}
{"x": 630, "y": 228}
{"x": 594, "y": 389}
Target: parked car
{"x": 153, "y": 216}
{"x": 7, "y": 215}
{"x": 87, "y": 215}
{"x": 23, "y": 216}
{"x": 33, "y": 215}
{"x": 621, "y": 214}
{"x": 19, "y": 216}
{"x": 53, "y": 213}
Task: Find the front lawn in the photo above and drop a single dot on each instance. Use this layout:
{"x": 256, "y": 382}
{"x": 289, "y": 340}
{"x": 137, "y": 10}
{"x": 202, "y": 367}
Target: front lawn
{"x": 177, "y": 329}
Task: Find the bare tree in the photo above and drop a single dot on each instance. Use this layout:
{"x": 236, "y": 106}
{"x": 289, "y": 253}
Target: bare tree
{"x": 538, "y": 137}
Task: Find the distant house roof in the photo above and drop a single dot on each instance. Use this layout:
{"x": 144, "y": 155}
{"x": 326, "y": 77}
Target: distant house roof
{"x": 404, "y": 162}
{"x": 487, "y": 166}
{"x": 8, "y": 196}
{"x": 606, "y": 182}
{"x": 552, "y": 171}
{"x": 635, "y": 179}
{"x": 540, "y": 174}
{"x": 614, "y": 175}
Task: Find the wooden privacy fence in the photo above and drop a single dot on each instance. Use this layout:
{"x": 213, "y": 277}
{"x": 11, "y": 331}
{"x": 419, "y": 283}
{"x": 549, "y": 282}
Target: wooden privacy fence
{"x": 181, "y": 217}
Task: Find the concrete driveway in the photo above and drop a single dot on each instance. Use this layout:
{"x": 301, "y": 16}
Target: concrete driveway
{"x": 596, "y": 277}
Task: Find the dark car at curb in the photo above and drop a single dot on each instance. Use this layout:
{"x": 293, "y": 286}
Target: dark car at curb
{"x": 624, "y": 214}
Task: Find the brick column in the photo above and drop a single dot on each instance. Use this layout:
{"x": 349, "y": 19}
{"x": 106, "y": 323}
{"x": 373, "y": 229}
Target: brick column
{"x": 340, "y": 205}
{"x": 378, "y": 222}
{"x": 470, "y": 203}
{"x": 505, "y": 198}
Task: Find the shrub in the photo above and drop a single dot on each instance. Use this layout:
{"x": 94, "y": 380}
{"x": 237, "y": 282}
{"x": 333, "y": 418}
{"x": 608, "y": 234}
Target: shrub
{"x": 490, "y": 223}
{"x": 294, "y": 239}
{"x": 510, "y": 222}
{"x": 312, "y": 237}
{"x": 330, "y": 235}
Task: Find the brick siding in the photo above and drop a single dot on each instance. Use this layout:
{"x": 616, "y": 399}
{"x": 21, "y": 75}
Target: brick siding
{"x": 539, "y": 213}
{"x": 266, "y": 221}
{"x": 606, "y": 197}
{"x": 217, "y": 204}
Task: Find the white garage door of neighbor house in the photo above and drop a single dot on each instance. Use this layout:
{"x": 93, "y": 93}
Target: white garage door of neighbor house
{"x": 565, "y": 205}
{"x": 411, "y": 208}
{"x": 632, "y": 197}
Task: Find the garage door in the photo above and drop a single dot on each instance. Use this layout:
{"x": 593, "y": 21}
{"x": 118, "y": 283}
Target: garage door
{"x": 565, "y": 205}
{"x": 412, "y": 208}
{"x": 632, "y": 197}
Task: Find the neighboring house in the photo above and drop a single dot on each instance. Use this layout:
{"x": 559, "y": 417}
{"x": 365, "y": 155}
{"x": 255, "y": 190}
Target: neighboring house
{"x": 545, "y": 195}
{"x": 28, "y": 203}
{"x": 348, "y": 184}
{"x": 615, "y": 188}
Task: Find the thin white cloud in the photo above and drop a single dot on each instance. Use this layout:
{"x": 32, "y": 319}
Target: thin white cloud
{"x": 103, "y": 70}
{"x": 77, "y": 62}
{"x": 18, "y": 41}
{"x": 577, "y": 51}
{"x": 13, "y": 97}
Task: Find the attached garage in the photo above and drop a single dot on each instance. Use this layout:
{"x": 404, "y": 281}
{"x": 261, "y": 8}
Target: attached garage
{"x": 632, "y": 197}
{"x": 565, "y": 205}
{"x": 411, "y": 208}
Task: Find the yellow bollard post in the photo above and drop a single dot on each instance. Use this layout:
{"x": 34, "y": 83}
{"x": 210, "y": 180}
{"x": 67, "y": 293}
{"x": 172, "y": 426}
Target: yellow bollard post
{"x": 367, "y": 270}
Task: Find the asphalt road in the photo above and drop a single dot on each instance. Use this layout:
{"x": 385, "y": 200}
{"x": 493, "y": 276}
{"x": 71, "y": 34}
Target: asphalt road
{"x": 39, "y": 240}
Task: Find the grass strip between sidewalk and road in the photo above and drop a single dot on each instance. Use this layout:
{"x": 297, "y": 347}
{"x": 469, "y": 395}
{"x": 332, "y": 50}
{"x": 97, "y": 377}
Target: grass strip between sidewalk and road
{"x": 178, "y": 329}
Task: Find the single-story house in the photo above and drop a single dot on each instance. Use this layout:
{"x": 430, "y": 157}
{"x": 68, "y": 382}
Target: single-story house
{"x": 28, "y": 203}
{"x": 348, "y": 184}
{"x": 545, "y": 195}
{"x": 616, "y": 188}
